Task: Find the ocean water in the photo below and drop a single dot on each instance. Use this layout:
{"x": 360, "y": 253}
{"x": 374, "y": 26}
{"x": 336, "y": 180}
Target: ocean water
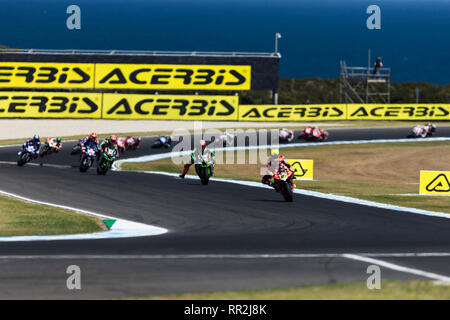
{"x": 414, "y": 37}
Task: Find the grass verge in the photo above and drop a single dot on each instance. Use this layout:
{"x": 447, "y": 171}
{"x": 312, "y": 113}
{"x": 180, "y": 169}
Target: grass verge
{"x": 20, "y": 218}
{"x": 390, "y": 290}
{"x": 384, "y": 172}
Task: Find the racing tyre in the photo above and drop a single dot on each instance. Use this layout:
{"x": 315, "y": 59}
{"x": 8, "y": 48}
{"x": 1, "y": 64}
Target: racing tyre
{"x": 286, "y": 192}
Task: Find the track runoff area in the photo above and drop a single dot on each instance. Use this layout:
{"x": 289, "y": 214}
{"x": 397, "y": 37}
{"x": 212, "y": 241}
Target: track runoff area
{"x": 229, "y": 235}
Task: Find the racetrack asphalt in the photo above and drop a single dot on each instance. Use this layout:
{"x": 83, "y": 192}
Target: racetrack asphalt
{"x": 218, "y": 219}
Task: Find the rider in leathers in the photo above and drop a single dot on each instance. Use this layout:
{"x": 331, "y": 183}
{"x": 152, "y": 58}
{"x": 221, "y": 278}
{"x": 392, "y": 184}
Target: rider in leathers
{"x": 275, "y": 161}
{"x": 196, "y": 155}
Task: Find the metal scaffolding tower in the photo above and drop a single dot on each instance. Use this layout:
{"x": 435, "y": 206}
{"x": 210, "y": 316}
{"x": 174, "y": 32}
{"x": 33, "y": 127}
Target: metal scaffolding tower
{"x": 360, "y": 85}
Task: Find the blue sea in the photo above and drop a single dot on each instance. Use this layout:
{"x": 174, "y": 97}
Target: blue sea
{"x": 316, "y": 34}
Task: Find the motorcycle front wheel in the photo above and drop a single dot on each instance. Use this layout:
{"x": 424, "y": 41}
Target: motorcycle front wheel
{"x": 286, "y": 192}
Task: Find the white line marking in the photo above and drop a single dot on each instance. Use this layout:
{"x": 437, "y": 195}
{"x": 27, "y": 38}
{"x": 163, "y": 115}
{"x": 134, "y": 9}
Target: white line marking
{"x": 121, "y": 229}
{"x": 397, "y": 267}
{"x": 227, "y": 256}
{"x": 160, "y": 156}
{"x": 328, "y": 196}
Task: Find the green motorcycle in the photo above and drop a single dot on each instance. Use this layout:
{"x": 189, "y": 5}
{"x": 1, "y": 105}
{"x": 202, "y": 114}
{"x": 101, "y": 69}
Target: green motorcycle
{"x": 204, "y": 167}
{"x": 105, "y": 161}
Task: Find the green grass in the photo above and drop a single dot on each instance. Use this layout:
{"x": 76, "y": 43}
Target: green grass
{"x": 19, "y": 218}
{"x": 390, "y": 290}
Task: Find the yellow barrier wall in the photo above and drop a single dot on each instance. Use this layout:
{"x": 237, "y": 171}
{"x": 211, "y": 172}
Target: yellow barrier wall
{"x": 46, "y": 75}
{"x": 50, "y": 105}
{"x": 398, "y": 111}
{"x": 292, "y": 112}
{"x": 178, "y": 77}
{"x": 191, "y": 107}
{"x": 124, "y": 76}
{"x": 169, "y": 107}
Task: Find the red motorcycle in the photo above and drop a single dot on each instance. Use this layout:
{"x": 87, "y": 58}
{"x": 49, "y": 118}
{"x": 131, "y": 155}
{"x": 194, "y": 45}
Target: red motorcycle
{"x": 284, "y": 183}
{"x": 121, "y": 144}
{"x": 133, "y": 143}
{"x": 314, "y": 134}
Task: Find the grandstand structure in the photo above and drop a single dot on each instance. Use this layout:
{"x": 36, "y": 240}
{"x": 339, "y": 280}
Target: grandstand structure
{"x": 361, "y": 85}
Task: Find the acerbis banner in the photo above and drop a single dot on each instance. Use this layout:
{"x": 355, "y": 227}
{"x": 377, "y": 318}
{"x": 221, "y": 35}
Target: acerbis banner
{"x": 50, "y": 105}
{"x": 292, "y": 112}
{"x": 169, "y": 107}
{"x": 15, "y": 104}
{"x": 46, "y": 75}
{"x": 124, "y": 76}
{"x": 303, "y": 169}
{"x": 435, "y": 182}
{"x": 168, "y": 77}
{"x": 398, "y": 111}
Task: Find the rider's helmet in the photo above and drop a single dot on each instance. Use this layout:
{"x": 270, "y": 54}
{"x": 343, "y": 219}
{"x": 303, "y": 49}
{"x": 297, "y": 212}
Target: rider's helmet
{"x": 93, "y": 135}
{"x": 58, "y": 139}
{"x": 139, "y": 139}
{"x": 36, "y": 137}
{"x": 275, "y": 153}
{"x": 431, "y": 127}
{"x": 203, "y": 144}
{"x": 113, "y": 138}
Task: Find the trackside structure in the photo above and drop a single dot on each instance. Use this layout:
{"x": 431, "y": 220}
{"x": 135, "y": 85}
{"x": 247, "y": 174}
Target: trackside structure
{"x": 361, "y": 85}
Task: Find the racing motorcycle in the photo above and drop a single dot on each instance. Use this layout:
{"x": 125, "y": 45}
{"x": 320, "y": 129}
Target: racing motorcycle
{"x": 204, "y": 168}
{"x": 286, "y": 135}
{"x": 76, "y": 148}
{"x": 121, "y": 144}
{"x": 163, "y": 141}
{"x": 27, "y": 154}
{"x": 133, "y": 143}
{"x": 284, "y": 183}
{"x": 87, "y": 158}
{"x": 316, "y": 134}
{"x": 422, "y": 131}
{"x": 49, "y": 148}
{"x": 105, "y": 161}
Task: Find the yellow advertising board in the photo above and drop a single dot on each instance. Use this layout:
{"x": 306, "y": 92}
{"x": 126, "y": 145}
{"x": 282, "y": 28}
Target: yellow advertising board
{"x": 435, "y": 182}
{"x": 50, "y": 104}
{"x": 46, "y": 75}
{"x": 169, "y": 107}
{"x": 303, "y": 169}
{"x": 398, "y": 111}
{"x": 124, "y": 76}
{"x": 172, "y": 76}
{"x": 292, "y": 112}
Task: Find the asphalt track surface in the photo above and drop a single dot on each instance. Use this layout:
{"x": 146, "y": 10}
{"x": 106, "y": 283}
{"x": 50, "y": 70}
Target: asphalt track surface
{"x": 218, "y": 219}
